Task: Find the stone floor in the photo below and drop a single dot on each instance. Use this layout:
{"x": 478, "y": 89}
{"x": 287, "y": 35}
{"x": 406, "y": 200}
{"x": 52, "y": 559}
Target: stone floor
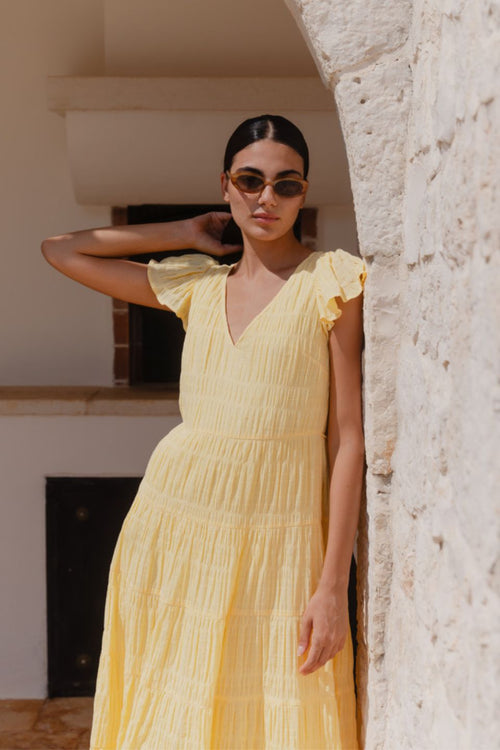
{"x": 55, "y": 724}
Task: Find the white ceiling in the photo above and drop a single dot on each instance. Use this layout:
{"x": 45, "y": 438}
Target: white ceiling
{"x": 204, "y": 38}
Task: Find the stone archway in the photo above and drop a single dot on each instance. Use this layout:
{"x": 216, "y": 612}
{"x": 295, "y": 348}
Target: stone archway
{"x": 359, "y": 49}
{"x": 416, "y": 85}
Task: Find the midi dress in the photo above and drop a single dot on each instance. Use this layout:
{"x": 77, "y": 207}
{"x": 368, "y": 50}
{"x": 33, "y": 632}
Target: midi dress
{"x": 224, "y": 543}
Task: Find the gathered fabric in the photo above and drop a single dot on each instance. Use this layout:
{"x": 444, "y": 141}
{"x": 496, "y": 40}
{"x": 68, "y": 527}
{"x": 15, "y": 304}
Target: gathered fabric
{"x": 224, "y": 543}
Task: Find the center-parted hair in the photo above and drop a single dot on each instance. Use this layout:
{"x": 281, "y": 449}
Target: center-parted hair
{"x": 274, "y": 127}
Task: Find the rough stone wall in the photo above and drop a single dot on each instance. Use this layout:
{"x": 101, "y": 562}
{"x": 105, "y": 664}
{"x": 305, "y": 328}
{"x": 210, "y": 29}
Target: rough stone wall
{"x": 415, "y": 87}
{"x": 360, "y": 50}
{"x": 442, "y": 644}
{"x": 373, "y": 104}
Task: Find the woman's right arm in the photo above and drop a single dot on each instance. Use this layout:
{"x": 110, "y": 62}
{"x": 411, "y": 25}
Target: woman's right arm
{"x": 94, "y": 257}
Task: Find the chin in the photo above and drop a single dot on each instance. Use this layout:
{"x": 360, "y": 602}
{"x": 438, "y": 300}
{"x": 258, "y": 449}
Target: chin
{"x": 263, "y": 232}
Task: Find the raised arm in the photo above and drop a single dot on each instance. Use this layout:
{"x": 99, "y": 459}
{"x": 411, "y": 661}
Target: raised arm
{"x": 94, "y": 257}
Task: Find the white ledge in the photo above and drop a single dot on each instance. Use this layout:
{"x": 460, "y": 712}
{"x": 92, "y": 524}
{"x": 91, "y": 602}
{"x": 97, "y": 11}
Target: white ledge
{"x": 88, "y": 401}
{"x": 110, "y": 93}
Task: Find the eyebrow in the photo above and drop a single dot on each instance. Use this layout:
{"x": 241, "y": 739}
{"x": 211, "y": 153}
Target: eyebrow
{"x": 284, "y": 173}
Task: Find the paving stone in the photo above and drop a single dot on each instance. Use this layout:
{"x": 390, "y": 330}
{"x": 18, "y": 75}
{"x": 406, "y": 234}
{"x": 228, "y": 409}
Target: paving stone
{"x": 55, "y": 724}
{"x": 18, "y": 715}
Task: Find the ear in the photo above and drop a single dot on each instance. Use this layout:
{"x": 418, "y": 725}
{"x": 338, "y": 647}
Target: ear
{"x": 224, "y": 185}
{"x": 304, "y": 197}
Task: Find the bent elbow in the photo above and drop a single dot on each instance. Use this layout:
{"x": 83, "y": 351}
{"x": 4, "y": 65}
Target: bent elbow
{"x": 51, "y": 251}
{"x": 46, "y": 248}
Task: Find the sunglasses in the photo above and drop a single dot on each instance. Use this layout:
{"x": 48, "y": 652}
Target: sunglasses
{"x": 285, "y": 187}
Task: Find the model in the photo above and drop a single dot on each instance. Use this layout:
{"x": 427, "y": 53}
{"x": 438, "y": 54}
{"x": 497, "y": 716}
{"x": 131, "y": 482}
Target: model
{"x": 226, "y": 621}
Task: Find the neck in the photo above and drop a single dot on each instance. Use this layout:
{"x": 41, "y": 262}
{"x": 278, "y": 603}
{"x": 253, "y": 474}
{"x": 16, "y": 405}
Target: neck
{"x": 274, "y": 256}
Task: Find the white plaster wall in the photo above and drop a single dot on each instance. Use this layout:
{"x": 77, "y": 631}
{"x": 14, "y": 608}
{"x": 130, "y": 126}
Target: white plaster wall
{"x": 337, "y": 228}
{"x": 33, "y": 448}
{"x": 53, "y": 331}
{"x": 443, "y": 637}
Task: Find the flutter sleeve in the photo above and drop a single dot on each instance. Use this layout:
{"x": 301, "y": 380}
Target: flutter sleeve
{"x": 173, "y": 279}
{"x": 339, "y": 276}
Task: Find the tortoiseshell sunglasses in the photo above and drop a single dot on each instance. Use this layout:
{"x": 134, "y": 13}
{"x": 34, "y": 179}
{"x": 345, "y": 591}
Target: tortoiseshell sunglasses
{"x": 285, "y": 187}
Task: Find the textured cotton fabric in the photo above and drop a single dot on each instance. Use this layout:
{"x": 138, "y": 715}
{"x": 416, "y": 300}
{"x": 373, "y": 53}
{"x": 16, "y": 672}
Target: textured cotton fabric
{"x": 224, "y": 544}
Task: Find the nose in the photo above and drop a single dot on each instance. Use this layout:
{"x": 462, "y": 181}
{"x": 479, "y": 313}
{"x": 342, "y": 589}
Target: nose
{"x": 267, "y": 196}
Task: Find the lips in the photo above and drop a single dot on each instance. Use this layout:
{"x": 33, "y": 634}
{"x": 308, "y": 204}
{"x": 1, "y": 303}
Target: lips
{"x": 265, "y": 217}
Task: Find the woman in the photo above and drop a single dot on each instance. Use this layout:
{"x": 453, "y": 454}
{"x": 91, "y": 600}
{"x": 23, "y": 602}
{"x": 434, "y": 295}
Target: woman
{"x": 226, "y": 622}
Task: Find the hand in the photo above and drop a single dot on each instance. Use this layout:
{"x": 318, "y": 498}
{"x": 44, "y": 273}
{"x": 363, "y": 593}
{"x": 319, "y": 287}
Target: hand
{"x": 327, "y": 617}
{"x": 207, "y": 231}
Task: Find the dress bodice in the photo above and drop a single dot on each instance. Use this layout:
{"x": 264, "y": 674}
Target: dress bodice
{"x": 274, "y": 381}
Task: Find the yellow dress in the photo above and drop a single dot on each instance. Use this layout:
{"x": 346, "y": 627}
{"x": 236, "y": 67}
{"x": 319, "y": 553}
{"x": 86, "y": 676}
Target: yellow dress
{"x": 223, "y": 545}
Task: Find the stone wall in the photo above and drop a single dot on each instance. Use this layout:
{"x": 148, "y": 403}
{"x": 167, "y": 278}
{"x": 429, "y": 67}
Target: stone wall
{"x": 415, "y": 87}
{"x": 443, "y": 621}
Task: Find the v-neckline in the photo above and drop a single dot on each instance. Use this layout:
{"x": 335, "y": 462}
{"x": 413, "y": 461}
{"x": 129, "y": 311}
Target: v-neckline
{"x": 234, "y": 344}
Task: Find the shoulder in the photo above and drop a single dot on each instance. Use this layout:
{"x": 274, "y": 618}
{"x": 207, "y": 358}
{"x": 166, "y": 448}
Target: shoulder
{"x": 338, "y": 262}
{"x": 188, "y": 264}
{"x": 174, "y": 278}
{"x": 179, "y": 270}
{"x": 338, "y": 277}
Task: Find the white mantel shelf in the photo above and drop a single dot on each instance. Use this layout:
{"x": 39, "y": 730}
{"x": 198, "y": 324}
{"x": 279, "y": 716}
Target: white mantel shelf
{"x": 87, "y": 401}
{"x": 110, "y": 93}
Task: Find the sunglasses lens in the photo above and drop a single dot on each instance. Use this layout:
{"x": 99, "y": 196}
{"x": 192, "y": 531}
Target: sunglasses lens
{"x": 288, "y": 188}
{"x": 252, "y": 183}
{"x": 249, "y": 183}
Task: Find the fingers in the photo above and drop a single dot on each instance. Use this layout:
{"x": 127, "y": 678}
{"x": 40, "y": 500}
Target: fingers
{"x": 304, "y": 635}
{"x": 224, "y": 216}
{"x": 325, "y": 625}
{"x": 317, "y": 647}
{"x": 321, "y": 651}
{"x": 217, "y": 222}
{"x": 314, "y": 658}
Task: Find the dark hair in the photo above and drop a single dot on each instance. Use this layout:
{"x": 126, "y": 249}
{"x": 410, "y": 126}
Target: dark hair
{"x": 276, "y": 128}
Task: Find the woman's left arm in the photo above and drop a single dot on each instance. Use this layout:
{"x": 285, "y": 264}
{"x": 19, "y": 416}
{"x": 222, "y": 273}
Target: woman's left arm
{"x": 326, "y": 615}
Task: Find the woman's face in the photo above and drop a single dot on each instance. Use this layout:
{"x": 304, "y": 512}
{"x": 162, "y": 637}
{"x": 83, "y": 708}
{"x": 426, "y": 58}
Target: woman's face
{"x": 265, "y": 216}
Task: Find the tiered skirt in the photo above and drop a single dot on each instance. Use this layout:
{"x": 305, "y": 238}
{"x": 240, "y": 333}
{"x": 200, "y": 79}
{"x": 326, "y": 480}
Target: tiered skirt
{"x": 214, "y": 566}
